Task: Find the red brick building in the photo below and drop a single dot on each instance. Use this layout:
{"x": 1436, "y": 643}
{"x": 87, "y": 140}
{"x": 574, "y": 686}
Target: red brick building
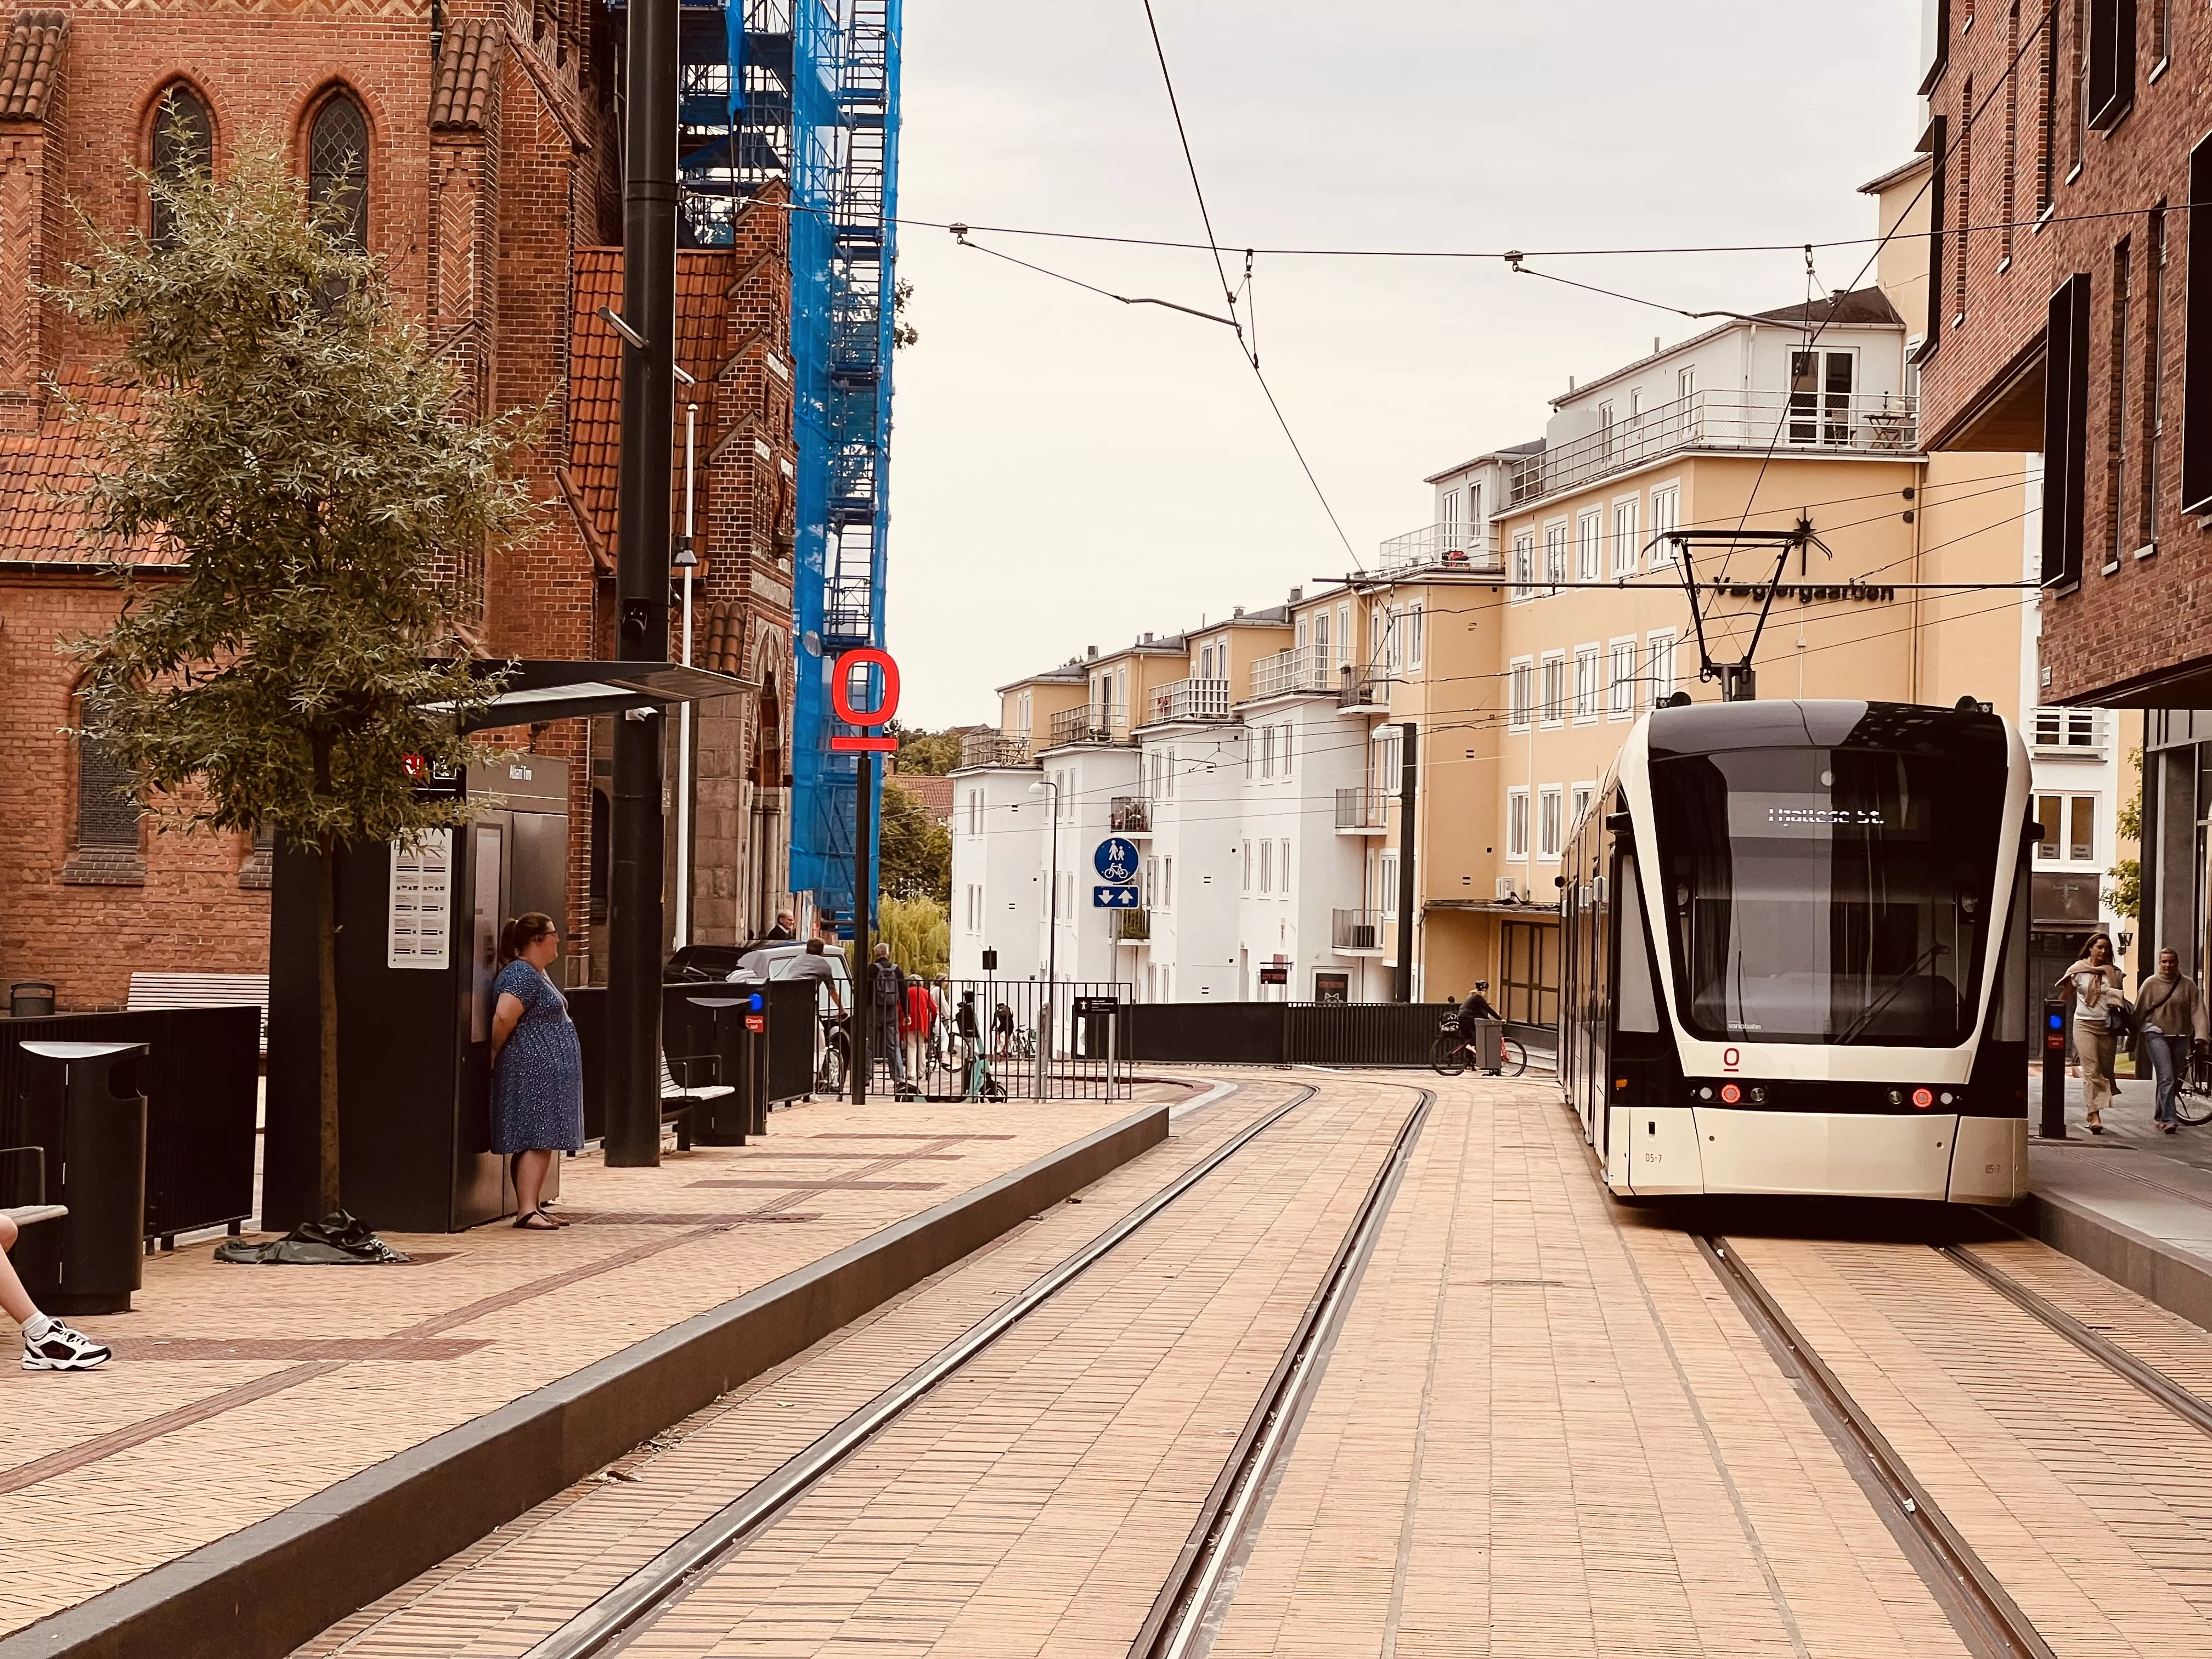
{"x": 492, "y": 193}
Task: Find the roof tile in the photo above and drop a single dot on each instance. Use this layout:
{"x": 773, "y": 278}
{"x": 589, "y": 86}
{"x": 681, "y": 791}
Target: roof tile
{"x": 28, "y": 62}
{"x": 41, "y": 474}
{"x": 467, "y": 64}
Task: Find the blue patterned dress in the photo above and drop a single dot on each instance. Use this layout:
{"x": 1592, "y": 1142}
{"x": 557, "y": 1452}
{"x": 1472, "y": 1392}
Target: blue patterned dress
{"x": 537, "y": 1083}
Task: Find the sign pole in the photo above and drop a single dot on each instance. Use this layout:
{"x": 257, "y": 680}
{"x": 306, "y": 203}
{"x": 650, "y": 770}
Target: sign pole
{"x": 864, "y": 909}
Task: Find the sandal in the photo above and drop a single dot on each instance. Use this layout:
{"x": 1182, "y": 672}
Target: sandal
{"x": 536, "y": 1221}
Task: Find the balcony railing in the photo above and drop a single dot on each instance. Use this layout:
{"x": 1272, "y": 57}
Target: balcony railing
{"x": 1363, "y": 689}
{"x": 1129, "y": 815}
{"x": 1302, "y": 668}
{"x": 1131, "y": 925}
{"x": 1362, "y": 809}
{"x": 1447, "y": 547}
{"x": 1872, "y": 423}
{"x": 1190, "y": 700}
{"x": 1355, "y": 930}
{"x": 1089, "y": 724}
{"x": 994, "y": 749}
{"x": 2070, "y": 734}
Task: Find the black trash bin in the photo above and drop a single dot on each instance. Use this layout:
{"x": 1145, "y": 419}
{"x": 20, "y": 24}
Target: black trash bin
{"x": 83, "y": 1102}
{"x": 727, "y": 1120}
{"x": 30, "y": 999}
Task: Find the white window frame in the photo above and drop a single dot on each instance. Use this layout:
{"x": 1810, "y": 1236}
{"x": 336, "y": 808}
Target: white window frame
{"x": 1283, "y": 868}
{"x": 1666, "y": 515}
{"x": 1620, "y": 677}
{"x": 1290, "y": 751}
{"x": 1626, "y": 549}
{"x": 1590, "y": 544}
{"x": 1416, "y": 622}
{"x": 1344, "y": 633}
{"x": 1524, "y": 567}
{"x": 1659, "y": 665}
{"x": 1579, "y": 797}
{"x": 1520, "y": 693}
{"x": 2066, "y": 800}
{"x": 1267, "y": 868}
{"x": 1517, "y": 824}
{"x": 1386, "y": 869}
{"x": 1245, "y": 851}
{"x": 1551, "y": 692}
{"x": 1551, "y": 823}
{"x": 1167, "y": 882}
{"x": 1555, "y": 555}
{"x": 1589, "y": 683}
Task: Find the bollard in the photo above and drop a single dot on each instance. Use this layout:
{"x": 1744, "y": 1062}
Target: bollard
{"x": 2054, "y": 1071}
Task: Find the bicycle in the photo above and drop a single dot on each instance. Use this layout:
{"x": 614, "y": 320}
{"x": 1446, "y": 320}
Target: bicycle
{"x": 836, "y": 1063}
{"x": 1450, "y": 1054}
{"x": 2192, "y": 1101}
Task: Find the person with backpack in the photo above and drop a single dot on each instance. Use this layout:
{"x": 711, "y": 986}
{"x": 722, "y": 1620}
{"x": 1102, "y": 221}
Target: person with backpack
{"x": 2169, "y": 1021}
{"x": 886, "y": 990}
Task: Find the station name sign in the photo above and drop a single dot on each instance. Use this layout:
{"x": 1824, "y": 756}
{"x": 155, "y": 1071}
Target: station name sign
{"x": 1809, "y": 593}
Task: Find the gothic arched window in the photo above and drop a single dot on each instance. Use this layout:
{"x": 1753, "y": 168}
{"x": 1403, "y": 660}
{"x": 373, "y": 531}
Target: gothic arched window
{"x": 183, "y": 149}
{"x": 338, "y": 167}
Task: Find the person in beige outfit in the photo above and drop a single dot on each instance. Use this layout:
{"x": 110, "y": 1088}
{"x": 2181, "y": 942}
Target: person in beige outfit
{"x": 2096, "y": 987}
{"x": 2170, "y": 1022}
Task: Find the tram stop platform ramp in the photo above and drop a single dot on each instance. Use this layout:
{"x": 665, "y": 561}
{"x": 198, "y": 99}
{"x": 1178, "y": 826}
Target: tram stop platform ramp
{"x": 269, "y": 1441}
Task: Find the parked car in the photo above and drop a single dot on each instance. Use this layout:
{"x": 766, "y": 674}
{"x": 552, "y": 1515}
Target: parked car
{"x": 776, "y": 960}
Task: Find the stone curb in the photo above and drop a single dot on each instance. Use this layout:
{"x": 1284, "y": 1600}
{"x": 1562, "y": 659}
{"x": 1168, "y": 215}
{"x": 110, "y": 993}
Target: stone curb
{"x": 261, "y": 1592}
{"x": 2175, "y": 1280}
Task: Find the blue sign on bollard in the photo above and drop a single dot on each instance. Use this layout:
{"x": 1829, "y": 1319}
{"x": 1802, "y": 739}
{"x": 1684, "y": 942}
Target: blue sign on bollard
{"x": 1115, "y": 860}
{"x": 1113, "y": 898}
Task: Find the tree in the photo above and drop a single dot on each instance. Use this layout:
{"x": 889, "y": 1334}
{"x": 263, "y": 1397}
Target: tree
{"x": 291, "y": 452}
{"x": 2124, "y": 894}
{"x": 919, "y": 932}
{"x": 929, "y": 754}
{"x": 914, "y": 850}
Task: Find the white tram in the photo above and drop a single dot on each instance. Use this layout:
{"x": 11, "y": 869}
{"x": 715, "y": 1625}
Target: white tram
{"x": 1795, "y": 954}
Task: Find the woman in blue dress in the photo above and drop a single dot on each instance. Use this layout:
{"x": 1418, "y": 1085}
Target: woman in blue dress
{"x": 538, "y": 1069}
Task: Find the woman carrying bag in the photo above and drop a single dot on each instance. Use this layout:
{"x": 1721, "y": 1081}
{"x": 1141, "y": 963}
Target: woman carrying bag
{"x": 2101, "y": 1019}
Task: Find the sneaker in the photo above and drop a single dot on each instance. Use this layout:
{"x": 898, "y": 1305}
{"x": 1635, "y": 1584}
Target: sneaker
{"x": 62, "y": 1349}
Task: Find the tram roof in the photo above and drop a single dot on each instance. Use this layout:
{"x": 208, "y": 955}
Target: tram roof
{"x": 1702, "y": 728}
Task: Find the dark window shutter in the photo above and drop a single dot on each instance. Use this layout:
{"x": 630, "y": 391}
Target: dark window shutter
{"x": 106, "y": 817}
{"x": 2065, "y": 438}
{"x": 2197, "y": 353}
{"x": 1939, "y": 130}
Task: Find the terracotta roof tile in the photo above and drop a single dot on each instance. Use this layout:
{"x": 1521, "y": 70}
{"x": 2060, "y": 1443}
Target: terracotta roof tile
{"x": 702, "y": 283}
{"x": 40, "y": 472}
{"x": 467, "y": 64}
{"x": 932, "y": 792}
{"x": 724, "y": 650}
{"x": 28, "y": 62}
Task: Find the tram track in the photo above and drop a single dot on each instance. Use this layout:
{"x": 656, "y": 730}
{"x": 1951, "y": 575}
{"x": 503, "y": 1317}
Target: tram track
{"x": 612, "y": 1621}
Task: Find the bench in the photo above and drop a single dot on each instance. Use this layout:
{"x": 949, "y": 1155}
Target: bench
{"x": 150, "y": 992}
{"x": 26, "y": 1215}
{"x": 677, "y": 1099}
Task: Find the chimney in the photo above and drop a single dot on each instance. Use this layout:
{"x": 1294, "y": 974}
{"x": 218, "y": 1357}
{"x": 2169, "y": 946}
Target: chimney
{"x": 1091, "y": 652}
{"x": 1237, "y": 613}
{"x": 1297, "y": 594}
{"x": 1148, "y": 636}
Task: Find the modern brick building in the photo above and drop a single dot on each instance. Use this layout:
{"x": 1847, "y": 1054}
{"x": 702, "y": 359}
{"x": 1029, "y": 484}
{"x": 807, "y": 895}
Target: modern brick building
{"x": 2070, "y": 139}
{"x": 492, "y": 191}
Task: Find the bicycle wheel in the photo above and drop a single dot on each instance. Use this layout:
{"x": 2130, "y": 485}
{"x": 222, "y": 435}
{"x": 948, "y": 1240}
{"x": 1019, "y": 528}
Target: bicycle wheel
{"x": 2192, "y": 1102}
{"x": 831, "y": 1077}
{"x": 1448, "y": 1055}
{"x": 1512, "y": 1058}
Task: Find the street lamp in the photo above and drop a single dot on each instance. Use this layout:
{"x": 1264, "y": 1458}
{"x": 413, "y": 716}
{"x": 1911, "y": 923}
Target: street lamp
{"x": 1051, "y": 936}
{"x": 687, "y": 560}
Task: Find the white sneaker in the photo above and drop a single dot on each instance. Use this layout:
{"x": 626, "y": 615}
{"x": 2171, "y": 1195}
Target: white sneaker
{"x": 62, "y": 1349}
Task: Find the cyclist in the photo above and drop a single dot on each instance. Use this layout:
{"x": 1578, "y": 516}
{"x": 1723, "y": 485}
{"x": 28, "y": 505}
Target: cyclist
{"x": 1002, "y": 1030}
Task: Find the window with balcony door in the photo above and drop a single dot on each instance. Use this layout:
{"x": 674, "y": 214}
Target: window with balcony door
{"x": 1321, "y": 639}
{"x": 1820, "y": 386}
{"x": 1621, "y": 699}
{"x": 1666, "y": 515}
{"x": 1385, "y": 756}
{"x": 1520, "y": 693}
{"x": 1022, "y": 718}
{"x": 1417, "y": 635}
{"x": 1686, "y": 385}
{"x": 2070, "y": 828}
{"x": 1517, "y": 825}
{"x": 1550, "y": 836}
{"x": 1626, "y": 547}
{"x": 1451, "y": 518}
{"x": 1589, "y": 536}
{"x": 1589, "y": 676}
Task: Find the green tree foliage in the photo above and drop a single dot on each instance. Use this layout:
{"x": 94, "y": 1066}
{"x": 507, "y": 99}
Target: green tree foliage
{"x": 293, "y": 453}
{"x": 927, "y": 753}
{"x": 914, "y": 850}
{"x": 919, "y": 932}
{"x": 2124, "y": 891}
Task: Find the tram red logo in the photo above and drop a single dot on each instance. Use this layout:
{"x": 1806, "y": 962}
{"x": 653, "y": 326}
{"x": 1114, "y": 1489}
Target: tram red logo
{"x": 1731, "y": 1059}
{"x": 850, "y": 667}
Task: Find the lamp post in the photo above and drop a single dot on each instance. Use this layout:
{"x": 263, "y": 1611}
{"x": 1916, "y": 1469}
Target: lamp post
{"x": 1051, "y": 939}
{"x": 687, "y": 560}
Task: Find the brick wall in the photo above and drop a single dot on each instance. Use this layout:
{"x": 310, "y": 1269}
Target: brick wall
{"x": 2132, "y": 616}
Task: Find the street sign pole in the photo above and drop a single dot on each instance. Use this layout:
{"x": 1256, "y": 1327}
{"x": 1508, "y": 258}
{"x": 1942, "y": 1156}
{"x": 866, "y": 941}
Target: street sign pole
{"x": 864, "y": 909}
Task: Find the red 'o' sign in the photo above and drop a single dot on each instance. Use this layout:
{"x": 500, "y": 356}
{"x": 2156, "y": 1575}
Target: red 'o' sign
{"x": 840, "y": 697}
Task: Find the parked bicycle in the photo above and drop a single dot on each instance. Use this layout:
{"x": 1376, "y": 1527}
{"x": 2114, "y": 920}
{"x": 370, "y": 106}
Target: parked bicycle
{"x": 1450, "y": 1054}
{"x": 836, "y": 1065}
{"x": 2192, "y": 1101}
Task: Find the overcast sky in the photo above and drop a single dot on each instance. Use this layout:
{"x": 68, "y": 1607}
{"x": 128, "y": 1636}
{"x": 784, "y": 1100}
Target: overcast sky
{"x": 1068, "y": 471}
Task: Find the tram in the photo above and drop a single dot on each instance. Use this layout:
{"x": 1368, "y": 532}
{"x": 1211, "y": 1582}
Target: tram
{"x": 1794, "y": 954}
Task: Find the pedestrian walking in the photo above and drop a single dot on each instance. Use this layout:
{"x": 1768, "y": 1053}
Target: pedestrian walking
{"x": 917, "y": 1019}
{"x": 48, "y": 1345}
{"x": 2169, "y": 1021}
{"x": 886, "y": 989}
{"x": 2101, "y": 1014}
{"x": 537, "y": 1066}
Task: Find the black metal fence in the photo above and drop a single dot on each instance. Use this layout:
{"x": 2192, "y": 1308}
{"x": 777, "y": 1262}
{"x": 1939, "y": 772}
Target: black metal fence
{"x": 986, "y": 1037}
{"x": 1376, "y": 1034}
{"x": 200, "y": 1079}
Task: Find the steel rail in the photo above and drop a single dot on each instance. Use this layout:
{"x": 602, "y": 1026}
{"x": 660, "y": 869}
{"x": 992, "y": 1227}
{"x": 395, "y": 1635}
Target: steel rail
{"x": 1178, "y": 1617}
{"x": 640, "y": 1598}
{"x": 2192, "y": 1408}
{"x": 1986, "y": 1617}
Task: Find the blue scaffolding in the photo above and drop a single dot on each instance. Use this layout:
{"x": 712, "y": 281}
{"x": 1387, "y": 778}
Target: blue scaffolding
{"x": 807, "y": 92}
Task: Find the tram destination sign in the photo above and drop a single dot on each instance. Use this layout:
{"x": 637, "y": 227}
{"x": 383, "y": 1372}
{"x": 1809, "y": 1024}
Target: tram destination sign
{"x": 1809, "y": 593}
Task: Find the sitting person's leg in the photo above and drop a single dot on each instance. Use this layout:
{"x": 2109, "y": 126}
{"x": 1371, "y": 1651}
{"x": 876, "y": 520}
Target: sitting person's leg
{"x": 48, "y": 1345}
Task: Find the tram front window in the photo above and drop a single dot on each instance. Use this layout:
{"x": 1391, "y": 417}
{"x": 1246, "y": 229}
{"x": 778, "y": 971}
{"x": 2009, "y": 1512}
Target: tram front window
{"x": 1829, "y": 896}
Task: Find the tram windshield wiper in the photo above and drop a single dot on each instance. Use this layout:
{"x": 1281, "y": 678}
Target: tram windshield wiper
{"x": 1895, "y": 984}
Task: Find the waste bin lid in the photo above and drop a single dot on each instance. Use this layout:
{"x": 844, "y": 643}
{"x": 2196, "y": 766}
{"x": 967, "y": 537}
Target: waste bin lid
{"x": 716, "y": 1002}
{"x": 80, "y": 1050}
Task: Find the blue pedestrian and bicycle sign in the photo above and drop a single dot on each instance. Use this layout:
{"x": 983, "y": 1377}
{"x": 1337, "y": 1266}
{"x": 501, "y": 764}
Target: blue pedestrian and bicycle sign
{"x": 1113, "y": 898}
{"x": 1116, "y": 859}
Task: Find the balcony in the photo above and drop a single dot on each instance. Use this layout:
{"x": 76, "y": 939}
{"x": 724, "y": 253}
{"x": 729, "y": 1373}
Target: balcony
{"x": 1364, "y": 693}
{"x": 1876, "y": 423}
{"x": 1129, "y": 815}
{"x": 1446, "y": 547}
{"x": 2071, "y": 734}
{"x": 1089, "y": 724}
{"x": 1132, "y": 926}
{"x": 994, "y": 749}
{"x": 1302, "y": 668}
{"x": 1355, "y": 932}
{"x": 1362, "y": 812}
{"x": 1189, "y": 700}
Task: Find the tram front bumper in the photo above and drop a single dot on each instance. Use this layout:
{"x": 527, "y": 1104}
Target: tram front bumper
{"x": 1660, "y": 1151}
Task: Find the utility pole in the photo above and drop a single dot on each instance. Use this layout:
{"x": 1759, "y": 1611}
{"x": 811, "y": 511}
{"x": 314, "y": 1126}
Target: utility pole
{"x": 1408, "y": 770}
{"x": 864, "y": 909}
{"x": 648, "y": 409}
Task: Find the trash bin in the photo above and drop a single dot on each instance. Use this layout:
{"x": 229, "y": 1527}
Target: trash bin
{"x": 727, "y": 1120}
{"x": 29, "y": 998}
{"x": 1489, "y": 1044}
{"x": 83, "y": 1101}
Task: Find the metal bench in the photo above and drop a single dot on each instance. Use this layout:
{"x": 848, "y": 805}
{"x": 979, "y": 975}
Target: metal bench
{"x": 26, "y": 1215}
{"x": 677, "y": 1099}
{"x": 150, "y": 992}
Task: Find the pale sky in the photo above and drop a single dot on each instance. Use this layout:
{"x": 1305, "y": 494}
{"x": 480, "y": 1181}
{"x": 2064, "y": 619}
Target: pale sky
{"x": 1068, "y": 471}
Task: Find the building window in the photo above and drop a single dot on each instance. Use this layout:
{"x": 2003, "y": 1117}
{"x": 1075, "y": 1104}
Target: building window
{"x": 1666, "y": 515}
{"x": 1245, "y": 857}
{"x": 1529, "y": 972}
{"x": 2070, "y": 828}
{"x": 2066, "y": 416}
{"x": 107, "y": 814}
{"x": 1624, "y": 548}
{"x": 1962, "y": 186}
{"x": 1021, "y": 720}
{"x": 2109, "y": 78}
{"x": 1622, "y": 687}
{"x": 1589, "y": 535}
{"x": 2115, "y": 415}
{"x": 1344, "y": 633}
{"x": 2154, "y": 379}
{"x": 338, "y": 170}
{"x": 1267, "y": 753}
{"x": 1451, "y": 518}
{"x": 1267, "y": 868}
{"x": 1520, "y": 693}
{"x": 1283, "y": 868}
{"x": 1686, "y": 386}
{"x": 2046, "y": 127}
{"x": 2006, "y": 188}
{"x": 1386, "y": 879}
{"x": 1517, "y": 824}
{"x": 1590, "y": 679}
{"x": 1554, "y": 670}
{"x": 1524, "y": 552}
{"x": 974, "y": 811}
{"x": 1386, "y": 755}
{"x": 2079, "y": 729}
{"x": 183, "y": 149}
{"x": 1555, "y": 553}
{"x": 2161, "y": 34}
{"x": 1661, "y": 672}
{"x": 1550, "y": 809}
{"x": 1820, "y": 394}
{"x": 1578, "y": 806}
{"x": 975, "y": 895}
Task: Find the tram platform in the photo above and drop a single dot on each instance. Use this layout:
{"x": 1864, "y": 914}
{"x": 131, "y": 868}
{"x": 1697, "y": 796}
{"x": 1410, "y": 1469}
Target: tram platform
{"x": 269, "y": 1440}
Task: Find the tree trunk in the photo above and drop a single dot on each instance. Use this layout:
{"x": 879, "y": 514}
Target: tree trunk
{"x": 328, "y": 1197}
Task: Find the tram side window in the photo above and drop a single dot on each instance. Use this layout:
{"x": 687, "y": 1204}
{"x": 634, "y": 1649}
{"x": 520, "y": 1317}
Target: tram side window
{"x": 1637, "y": 999}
